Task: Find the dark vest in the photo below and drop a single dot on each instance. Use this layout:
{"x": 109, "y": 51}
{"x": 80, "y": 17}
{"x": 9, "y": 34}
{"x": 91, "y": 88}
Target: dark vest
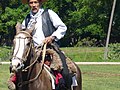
{"x": 47, "y": 25}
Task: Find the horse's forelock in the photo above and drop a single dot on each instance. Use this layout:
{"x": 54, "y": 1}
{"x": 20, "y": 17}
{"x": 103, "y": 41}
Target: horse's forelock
{"x": 27, "y": 34}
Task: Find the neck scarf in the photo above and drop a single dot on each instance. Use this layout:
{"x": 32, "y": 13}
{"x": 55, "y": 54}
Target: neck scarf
{"x": 33, "y": 18}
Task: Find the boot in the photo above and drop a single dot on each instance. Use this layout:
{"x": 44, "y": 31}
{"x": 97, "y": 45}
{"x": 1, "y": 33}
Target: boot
{"x": 11, "y": 82}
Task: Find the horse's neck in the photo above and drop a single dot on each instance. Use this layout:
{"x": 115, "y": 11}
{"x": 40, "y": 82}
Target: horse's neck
{"x": 37, "y": 70}
{"x": 32, "y": 55}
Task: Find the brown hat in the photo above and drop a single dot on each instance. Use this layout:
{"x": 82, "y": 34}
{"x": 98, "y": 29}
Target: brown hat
{"x": 26, "y": 1}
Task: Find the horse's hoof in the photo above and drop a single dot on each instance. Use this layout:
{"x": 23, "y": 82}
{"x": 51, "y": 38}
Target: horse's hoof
{"x": 11, "y": 85}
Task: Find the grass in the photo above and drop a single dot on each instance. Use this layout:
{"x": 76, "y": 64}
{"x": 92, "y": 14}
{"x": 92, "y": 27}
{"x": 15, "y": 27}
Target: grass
{"x": 4, "y": 74}
{"x": 95, "y": 77}
{"x": 5, "y": 53}
{"x": 86, "y": 54}
{"x": 100, "y": 77}
{"x": 78, "y": 54}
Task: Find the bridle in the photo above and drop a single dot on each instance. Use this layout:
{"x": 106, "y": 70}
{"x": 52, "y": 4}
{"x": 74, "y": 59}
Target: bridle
{"x": 24, "y": 57}
{"x": 20, "y": 84}
{"x": 41, "y": 68}
{"x": 28, "y": 37}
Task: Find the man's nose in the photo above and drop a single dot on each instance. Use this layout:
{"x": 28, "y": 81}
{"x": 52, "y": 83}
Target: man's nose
{"x": 34, "y": 4}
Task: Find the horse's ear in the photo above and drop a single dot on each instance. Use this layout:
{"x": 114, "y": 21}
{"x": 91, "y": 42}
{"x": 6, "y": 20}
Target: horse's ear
{"x": 31, "y": 28}
{"x": 18, "y": 27}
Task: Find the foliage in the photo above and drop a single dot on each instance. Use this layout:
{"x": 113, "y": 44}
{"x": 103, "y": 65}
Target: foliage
{"x": 84, "y": 18}
{"x": 89, "y": 42}
{"x": 114, "y": 51}
{"x": 86, "y": 42}
{"x": 5, "y": 53}
{"x": 88, "y": 20}
{"x": 8, "y": 22}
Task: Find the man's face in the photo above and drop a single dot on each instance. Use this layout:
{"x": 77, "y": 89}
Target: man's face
{"x": 34, "y": 5}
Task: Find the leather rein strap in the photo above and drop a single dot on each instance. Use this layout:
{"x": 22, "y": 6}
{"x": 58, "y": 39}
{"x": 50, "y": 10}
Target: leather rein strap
{"x": 42, "y": 66}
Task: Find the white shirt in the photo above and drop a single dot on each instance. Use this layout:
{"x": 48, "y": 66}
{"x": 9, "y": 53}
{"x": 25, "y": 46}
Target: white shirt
{"x": 38, "y": 35}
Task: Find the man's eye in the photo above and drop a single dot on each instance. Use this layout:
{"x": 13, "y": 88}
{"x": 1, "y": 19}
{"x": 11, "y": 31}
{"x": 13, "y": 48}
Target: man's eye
{"x": 33, "y": 2}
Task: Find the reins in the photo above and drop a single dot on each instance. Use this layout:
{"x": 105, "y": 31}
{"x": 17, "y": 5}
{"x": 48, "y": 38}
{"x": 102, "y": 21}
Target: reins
{"x": 42, "y": 66}
{"x": 31, "y": 64}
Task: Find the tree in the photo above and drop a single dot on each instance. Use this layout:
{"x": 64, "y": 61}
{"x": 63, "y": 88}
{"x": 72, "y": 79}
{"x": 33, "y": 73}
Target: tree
{"x": 84, "y": 18}
{"x": 8, "y": 21}
{"x": 115, "y": 32}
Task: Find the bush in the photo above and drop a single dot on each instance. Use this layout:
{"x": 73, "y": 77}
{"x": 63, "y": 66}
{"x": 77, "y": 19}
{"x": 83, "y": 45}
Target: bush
{"x": 114, "y": 51}
{"x": 86, "y": 42}
{"x": 5, "y": 53}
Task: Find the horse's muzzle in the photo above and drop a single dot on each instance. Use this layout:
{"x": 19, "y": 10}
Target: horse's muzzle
{"x": 14, "y": 69}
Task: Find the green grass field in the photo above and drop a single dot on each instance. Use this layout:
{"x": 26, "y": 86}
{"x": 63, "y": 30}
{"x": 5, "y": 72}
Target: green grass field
{"x": 78, "y": 54}
{"x": 86, "y": 54}
{"x": 95, "y": 77}
{"x": 101, "y": 77}
{"x": 4, "y": 74}
{"x": 5, "y": 53}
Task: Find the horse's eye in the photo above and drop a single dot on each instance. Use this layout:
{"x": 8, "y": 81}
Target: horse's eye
{"x": 28, "y": 44}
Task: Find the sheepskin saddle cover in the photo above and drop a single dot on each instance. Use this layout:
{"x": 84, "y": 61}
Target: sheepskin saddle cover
{"x": 56, "y": 63}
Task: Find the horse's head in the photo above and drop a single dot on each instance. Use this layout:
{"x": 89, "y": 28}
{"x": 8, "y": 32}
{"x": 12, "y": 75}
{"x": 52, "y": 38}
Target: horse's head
{"x": 22, "y": 44}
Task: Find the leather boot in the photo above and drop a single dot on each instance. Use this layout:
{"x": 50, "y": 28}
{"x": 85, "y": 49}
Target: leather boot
{"x": 11, "y": 82}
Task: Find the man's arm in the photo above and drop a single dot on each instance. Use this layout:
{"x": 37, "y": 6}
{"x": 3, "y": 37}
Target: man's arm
{"x": 58, "y": 24}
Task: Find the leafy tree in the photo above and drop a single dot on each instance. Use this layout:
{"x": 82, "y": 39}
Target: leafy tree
{"x": 8, "y": 22}
{"x": 115, "y": 32}
{"x": 84, "y": 18}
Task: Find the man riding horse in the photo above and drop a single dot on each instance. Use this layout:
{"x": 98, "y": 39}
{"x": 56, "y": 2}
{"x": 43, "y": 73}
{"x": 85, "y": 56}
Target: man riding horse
{"x": 49, "y": 28}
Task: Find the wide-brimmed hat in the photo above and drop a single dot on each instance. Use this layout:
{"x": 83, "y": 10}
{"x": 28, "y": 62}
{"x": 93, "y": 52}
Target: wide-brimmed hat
{"x": 26, "y": 1}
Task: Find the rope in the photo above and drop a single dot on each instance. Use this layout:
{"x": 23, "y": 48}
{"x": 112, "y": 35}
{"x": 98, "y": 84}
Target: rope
{"x": 42, "y": 65}
{"x": 44, "y": 52}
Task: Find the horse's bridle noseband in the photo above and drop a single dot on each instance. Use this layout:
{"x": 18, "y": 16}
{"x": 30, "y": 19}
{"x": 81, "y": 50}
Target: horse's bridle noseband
{"x": 25, "y": 58}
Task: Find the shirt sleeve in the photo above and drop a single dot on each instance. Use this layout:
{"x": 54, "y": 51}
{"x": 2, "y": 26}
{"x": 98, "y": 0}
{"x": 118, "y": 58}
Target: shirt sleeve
{"x": 61, "y": 28}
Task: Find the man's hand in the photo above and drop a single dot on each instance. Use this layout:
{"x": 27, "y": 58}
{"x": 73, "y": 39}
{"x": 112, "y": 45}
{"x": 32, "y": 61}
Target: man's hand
{"x": 49, "y": 39}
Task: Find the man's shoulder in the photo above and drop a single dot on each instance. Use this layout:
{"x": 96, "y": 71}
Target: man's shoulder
{"x": 49, "y": 10}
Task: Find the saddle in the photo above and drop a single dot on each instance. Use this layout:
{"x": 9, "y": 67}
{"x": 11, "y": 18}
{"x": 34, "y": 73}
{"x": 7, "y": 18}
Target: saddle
{"x": 56, "y": 63}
